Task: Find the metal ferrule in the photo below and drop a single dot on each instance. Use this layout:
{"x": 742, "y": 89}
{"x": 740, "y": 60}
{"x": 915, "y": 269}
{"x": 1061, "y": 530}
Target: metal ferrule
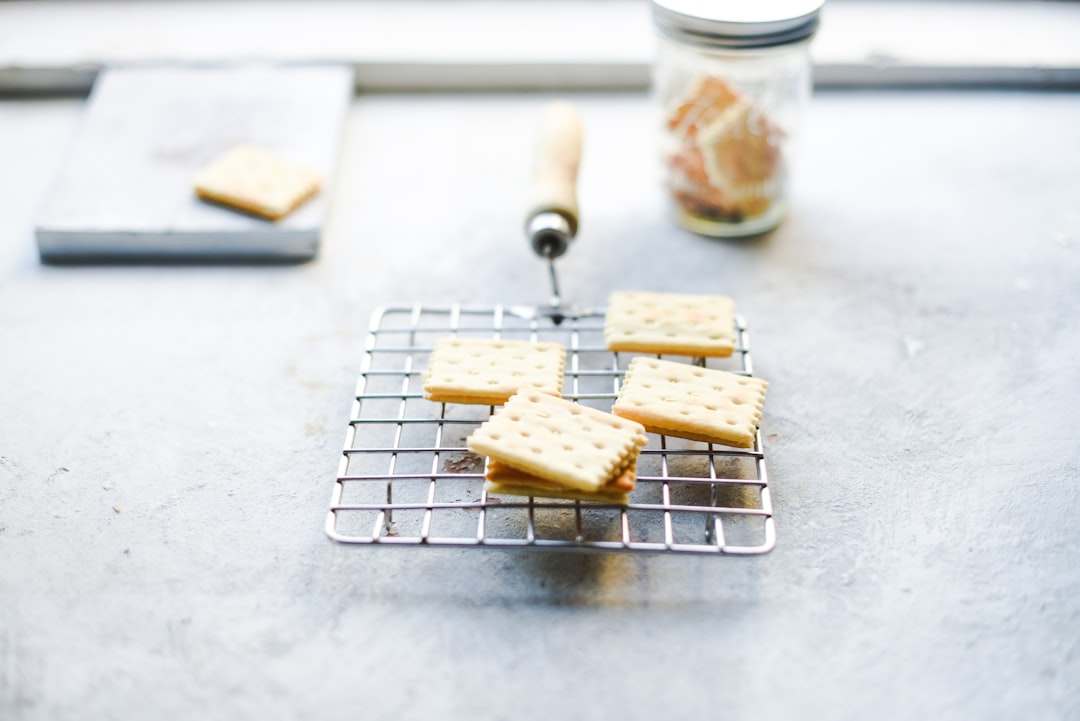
{"x": 550, "y": 234}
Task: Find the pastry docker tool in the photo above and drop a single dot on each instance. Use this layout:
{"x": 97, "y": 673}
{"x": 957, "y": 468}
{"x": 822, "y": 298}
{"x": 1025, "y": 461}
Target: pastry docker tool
{"x": 552, "y": 219}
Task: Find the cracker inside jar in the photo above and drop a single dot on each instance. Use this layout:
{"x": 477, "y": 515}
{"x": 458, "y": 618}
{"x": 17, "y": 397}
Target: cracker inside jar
{"x": 723, "y": 153}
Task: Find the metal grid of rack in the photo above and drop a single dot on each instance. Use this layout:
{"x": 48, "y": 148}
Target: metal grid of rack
{"x": 406, "y": 477}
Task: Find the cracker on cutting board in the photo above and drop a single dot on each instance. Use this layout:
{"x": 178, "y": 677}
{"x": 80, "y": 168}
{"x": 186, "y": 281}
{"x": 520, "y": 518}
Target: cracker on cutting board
{"x": 701, "y": 404}
{"x": 577, "y": 447}
{"x": 257, "y": 181}
{"x": 670, "y": 323}
{"x": 488, "y": 372}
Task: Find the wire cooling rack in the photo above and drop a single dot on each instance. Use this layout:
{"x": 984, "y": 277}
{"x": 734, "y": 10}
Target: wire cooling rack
{"x": 406, "y": 477}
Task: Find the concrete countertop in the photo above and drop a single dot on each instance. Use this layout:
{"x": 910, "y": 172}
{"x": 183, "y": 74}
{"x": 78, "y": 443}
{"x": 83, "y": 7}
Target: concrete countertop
{"x": 170, "y": 435}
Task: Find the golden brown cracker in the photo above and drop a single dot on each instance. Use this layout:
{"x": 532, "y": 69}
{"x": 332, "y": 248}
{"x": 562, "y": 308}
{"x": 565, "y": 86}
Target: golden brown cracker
{"x": 486, "y": 371}
{"x": 702, "y": 404}
{"x": 506, "y": 480}
{"x": 670, "y": 323}
{"x": 257, "y": 181}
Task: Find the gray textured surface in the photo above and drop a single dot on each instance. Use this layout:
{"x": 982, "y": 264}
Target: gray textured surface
{"x": 170, "y": 435}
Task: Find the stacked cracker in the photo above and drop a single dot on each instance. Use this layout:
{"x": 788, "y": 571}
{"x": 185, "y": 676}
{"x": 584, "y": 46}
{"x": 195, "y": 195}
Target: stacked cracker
{"x": 540, "y": 445}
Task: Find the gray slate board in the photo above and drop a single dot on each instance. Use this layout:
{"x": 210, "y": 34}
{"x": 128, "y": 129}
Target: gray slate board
{"x": 125, "y": 190}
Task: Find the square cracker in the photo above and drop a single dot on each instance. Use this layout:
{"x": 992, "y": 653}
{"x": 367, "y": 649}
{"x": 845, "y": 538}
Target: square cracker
{"x": 256, "y": 181}
{"x": 506, "y": 480}
{"x": 702, "y": 404}
{"x": 672, "y": 323}
{"x": 488, "y": 372}
{"x": 557, "y": 440}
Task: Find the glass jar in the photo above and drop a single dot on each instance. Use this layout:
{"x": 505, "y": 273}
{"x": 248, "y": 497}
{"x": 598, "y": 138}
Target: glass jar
{"x": 731, "y": 82}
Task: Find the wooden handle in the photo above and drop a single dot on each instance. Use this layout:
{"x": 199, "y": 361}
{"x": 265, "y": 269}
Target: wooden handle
{"x": 555, "y": 169}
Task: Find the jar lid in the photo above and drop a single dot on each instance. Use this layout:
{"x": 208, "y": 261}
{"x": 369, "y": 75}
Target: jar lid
{"x": 738, "y": 23}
